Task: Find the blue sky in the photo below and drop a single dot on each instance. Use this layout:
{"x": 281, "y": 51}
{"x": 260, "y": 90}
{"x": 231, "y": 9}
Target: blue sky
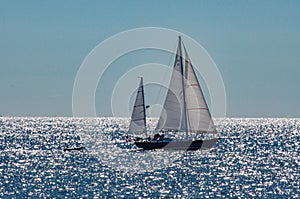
{"x": 255, "y": 44}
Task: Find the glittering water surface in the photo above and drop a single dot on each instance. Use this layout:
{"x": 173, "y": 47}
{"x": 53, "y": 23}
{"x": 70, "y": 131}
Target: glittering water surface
{"x": 256, "y": 158}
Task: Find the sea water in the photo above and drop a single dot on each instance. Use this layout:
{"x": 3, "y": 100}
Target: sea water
{"x": 257, "y": 158}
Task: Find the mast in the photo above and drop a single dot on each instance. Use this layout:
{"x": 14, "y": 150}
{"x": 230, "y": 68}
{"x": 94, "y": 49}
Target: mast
{"x": 143, "y": 94}
{"x": 183, "y": 91}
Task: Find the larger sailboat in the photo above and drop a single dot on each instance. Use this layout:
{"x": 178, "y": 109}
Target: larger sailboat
{"x": 185, "y": 112}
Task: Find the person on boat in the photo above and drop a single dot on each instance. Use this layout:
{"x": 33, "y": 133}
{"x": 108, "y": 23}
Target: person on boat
{"x": 156, "y": 136}
{"x": 128, "y": 138}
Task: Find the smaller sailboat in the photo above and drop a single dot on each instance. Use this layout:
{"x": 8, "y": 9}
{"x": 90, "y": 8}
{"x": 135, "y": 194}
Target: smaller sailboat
{"x": 185, "y": 111}
{"x": 73, "y": 148}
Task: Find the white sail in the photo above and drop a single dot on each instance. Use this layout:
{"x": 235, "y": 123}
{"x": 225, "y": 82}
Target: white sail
{"x": 173, "y": 114}
{"x": 138, "y": 117}
{"x": 198, "y": 116}
{"x": 184, "y": 110}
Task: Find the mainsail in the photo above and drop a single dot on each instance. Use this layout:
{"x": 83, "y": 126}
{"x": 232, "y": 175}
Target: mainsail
{"x": 173, "y": 115}
{"x": 138, "y": 117}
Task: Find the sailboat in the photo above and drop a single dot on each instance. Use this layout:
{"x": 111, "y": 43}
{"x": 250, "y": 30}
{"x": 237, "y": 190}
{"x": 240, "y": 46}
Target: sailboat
{"x": 185, "y": 112}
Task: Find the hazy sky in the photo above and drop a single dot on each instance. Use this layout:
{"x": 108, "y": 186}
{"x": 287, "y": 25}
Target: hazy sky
{"x": 255, "y": 44}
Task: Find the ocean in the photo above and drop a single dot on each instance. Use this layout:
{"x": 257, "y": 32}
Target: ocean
{"x": 257, "y": 158}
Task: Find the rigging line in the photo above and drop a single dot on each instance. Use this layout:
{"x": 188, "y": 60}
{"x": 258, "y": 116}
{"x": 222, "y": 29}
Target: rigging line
{"x": 186, "y": 62}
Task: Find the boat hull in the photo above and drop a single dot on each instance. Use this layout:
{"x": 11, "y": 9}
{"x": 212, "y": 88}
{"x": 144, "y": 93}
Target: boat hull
{"x": 188, "y": 145}
{"x": 74, "y": 149}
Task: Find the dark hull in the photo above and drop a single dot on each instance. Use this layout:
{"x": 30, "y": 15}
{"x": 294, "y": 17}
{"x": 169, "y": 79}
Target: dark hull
{"x": 74, "y": 149}
{"x": 170, "y": 145}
